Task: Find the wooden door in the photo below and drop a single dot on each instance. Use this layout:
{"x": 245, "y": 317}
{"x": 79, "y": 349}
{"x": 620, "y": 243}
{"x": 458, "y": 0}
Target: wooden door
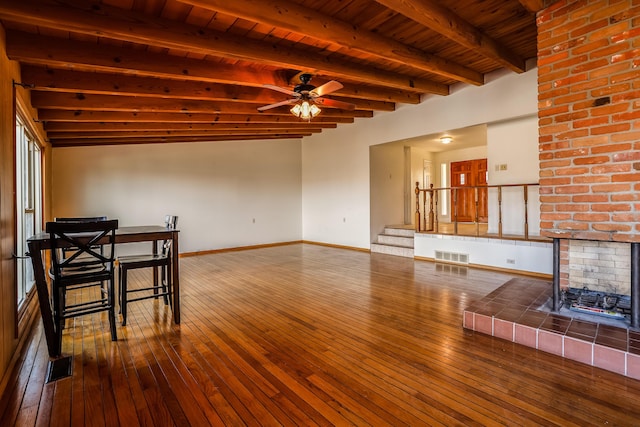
{"x": 469, "y": 173}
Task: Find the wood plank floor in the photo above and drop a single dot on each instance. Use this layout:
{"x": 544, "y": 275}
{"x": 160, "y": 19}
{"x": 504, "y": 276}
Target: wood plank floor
{"x": 307, "y": 335}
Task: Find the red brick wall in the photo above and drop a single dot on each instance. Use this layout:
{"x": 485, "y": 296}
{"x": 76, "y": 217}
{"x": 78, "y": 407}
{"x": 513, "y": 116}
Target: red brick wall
{"x": 589, "y": 116}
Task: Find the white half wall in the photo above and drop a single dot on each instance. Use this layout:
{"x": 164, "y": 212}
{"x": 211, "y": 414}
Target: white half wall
{"x": 530, "y": 256}
{"x": 226, "y": 194}
{"x": 335, "y": 163}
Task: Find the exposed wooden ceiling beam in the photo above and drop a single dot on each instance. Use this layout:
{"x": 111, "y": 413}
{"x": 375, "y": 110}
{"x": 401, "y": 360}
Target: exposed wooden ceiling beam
{"x": 177, "y": 133}
{"x": 57, "y": 80}
{"x": 533, "y": 6}
{"x": 440, "y": 19}
{"x": 104, "y": 117}
{"x": 103, "y": 21}
{"x": 86, "y": 56}
{"x": 165, "y": 140}
{"x": 99, "y": 84}
{"x": 114, "y": 84}
{"x": 308, "y": 22}
{"x": 54, "y": 127}
{"x": 69, "y": 101}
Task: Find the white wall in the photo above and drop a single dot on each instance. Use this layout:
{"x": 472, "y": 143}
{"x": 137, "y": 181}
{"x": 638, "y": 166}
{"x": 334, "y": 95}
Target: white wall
{"x": 216, "y": 189}
{"x": 335, "y": 189}
{"x": 387, "y": 186}
{"x": 418, "y": 157}
{"x": 335, "y": 164}
{"x": 514, "y": 143}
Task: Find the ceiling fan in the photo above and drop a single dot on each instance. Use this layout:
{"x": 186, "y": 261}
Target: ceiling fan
{"x": 306, "y": 96}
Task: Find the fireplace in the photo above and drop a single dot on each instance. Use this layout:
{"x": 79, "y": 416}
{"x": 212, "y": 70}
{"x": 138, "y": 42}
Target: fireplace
{"x": 599, "y": 266}
{"x": 597, "y": 277}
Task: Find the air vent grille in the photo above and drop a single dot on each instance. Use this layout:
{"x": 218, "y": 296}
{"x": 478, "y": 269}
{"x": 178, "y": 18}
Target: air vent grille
{"x": 457, "y": 257}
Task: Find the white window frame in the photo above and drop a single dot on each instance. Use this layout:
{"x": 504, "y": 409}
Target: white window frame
{"x": 29, "y": 192}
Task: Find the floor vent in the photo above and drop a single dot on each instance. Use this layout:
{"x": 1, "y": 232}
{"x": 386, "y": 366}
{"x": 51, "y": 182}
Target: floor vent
{"x": 452, "y": 257}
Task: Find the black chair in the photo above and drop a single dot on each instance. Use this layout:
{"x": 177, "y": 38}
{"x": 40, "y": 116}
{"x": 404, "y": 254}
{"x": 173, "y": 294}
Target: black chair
{"x": 161, "y": 288}
{"x": 89, "y": 265}
{"x": 66, "y": 251}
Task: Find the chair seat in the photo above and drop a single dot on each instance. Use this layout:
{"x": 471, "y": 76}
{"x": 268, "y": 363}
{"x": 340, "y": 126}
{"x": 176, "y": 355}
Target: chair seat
{"x": 95, "y": 273}
{"x": 150, "y": 260}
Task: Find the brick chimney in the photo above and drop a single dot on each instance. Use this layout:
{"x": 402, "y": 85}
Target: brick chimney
{"x": 589, "y": 140}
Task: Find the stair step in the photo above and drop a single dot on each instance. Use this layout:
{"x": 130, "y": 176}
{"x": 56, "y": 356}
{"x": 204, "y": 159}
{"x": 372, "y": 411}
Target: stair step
{"x": 394, "y": 240}
{"x": 402, "y": 251}
{"x": 399, "y": 231}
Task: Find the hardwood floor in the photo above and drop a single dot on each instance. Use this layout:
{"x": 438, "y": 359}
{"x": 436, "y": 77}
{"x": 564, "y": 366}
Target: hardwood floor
{"x": 308, "y": 335}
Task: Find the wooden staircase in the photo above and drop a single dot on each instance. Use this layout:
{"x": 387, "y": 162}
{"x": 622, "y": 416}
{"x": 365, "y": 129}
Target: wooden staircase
{"x": 395, "y": 240}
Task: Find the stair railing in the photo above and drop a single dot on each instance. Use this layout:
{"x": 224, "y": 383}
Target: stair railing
{"x": 426, "y": 215}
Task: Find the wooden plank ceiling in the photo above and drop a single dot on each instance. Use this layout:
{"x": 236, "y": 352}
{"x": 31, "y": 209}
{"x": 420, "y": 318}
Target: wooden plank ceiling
{"x": 146, "y": 71}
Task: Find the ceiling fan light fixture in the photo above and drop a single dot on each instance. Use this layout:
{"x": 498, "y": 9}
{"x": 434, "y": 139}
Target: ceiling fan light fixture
{"x": 305, "y": 110}
{"x": 314, "y": 110}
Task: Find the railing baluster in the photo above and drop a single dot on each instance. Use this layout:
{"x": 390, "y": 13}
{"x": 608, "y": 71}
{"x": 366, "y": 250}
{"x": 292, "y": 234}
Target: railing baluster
{"x": 424, "y": 210}
{"x": 525, "y": 190}
{"x": 435, "y": 228}
{"x": 455, "y": 211}
{"x": 477, "y": 218}
{"x": 417, "y": 215}
{"x": 430, "y": 208}
{"x": 500, "y": 212}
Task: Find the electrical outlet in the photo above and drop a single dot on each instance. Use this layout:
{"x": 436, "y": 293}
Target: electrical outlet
{"x": 511, "y": 261}
{"x": 503, "y": 167}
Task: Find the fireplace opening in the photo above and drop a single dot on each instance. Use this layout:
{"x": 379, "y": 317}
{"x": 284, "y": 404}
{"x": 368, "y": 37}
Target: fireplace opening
{"x": 598, "y": 303}
{"x": 593, "y": 281}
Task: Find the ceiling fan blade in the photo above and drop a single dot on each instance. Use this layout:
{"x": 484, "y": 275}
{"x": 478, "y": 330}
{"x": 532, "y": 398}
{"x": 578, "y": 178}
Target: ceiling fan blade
{"x": 277, "y": 104}
{"x": 335, "y": 104}
{"x": 326, "y": 88}
{"x": 281, "y": 89}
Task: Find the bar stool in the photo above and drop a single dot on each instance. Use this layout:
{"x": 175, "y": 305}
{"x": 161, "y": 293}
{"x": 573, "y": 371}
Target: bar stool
{"x": 162, "y": 260}
{"x": 90, "y": 264}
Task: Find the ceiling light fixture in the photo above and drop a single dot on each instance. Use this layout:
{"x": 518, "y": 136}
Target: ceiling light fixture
{"x": 305, "y": 110}
{"x": 446, "y": 140}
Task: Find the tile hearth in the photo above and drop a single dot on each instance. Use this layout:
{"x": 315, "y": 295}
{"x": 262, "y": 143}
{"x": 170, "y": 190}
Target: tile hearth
{"x": 513, "y": 312}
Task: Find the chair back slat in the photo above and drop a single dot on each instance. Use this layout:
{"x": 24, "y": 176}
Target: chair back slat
{"x": 88, "y": 240}
{"x": 80, "y": 219}
{"x": 171, "y": 222}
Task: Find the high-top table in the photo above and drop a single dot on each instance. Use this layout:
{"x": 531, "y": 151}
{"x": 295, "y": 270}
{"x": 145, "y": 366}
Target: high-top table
{"x": 145, "y": 233}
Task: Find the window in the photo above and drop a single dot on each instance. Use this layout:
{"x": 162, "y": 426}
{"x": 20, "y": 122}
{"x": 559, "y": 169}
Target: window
{"x": 28, "y": 203}
{"x": 444, "y": 195}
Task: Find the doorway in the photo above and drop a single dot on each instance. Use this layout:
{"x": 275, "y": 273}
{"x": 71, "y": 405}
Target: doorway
{"x": 469, "y": 173}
